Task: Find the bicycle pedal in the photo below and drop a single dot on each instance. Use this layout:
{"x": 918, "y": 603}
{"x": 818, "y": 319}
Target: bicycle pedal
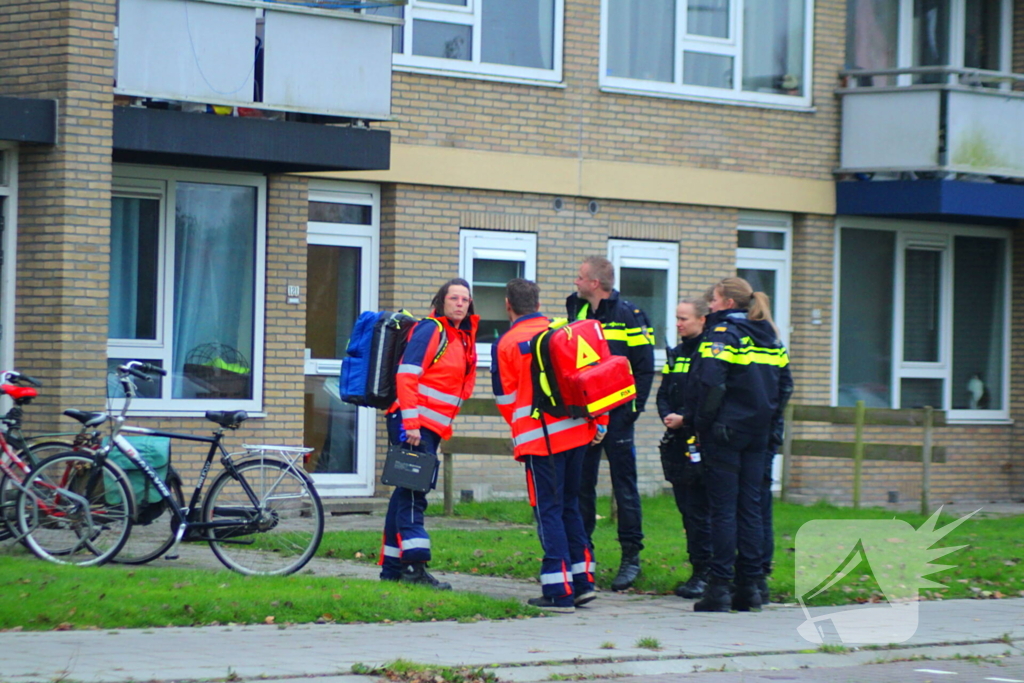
{"x": 171, "y": 557}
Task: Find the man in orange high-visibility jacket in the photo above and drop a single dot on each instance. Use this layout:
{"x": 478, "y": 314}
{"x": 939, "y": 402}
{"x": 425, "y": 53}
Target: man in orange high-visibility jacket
{"x": 552, "y": 452}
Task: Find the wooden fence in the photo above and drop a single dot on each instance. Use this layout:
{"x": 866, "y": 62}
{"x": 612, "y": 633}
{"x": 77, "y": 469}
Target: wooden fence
{"x": 926, "y": 419}
{"x": 472, "y": 445}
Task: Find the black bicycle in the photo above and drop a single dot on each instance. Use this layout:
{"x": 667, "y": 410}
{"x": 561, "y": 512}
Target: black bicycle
{"x": 260, "y": 516}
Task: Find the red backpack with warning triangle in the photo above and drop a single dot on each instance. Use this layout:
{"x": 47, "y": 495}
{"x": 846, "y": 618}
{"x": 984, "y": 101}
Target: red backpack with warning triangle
{"x": 574, "y": 373}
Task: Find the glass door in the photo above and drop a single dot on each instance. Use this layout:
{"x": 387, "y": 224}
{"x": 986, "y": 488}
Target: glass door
{"x": 341, "y": 282}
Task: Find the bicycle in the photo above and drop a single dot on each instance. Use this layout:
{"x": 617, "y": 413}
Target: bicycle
{"x": 15, "y": 450}
{"x": 260, "y": 516}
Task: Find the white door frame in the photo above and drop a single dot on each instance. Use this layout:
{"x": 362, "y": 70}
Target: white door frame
{"x": 367, "y": 239}
{"x": 8, "y": 271}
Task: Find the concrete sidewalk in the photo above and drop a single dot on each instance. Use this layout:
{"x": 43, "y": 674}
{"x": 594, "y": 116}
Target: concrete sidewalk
{"x": 599, "y": 640}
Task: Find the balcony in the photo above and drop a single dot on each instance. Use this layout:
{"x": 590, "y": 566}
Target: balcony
{"x": 938, "y": 121}
{"x": 260, "y": 54}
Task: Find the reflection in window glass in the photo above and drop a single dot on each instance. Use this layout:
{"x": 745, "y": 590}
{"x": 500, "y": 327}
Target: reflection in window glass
{"x": 930, "y": 37}
{"x": 979, "y": 291}
{"x": 489, "y": 280}
{"x": 871, "y": 38}
{"x": 708, "y": 18}
{"x": 982, "y": 34}
{"x": 641, "y": 39}
{"x": 773, "y": 46}
{"x": 760, "y": 239}
{"x": 919, "y": 393}
{"x": 134, "y": 267}
{"x": 711, "y": 71}
{"x": 440, "y": 39}
{"x": 922, "y": 305}
{"x": 214, "y": 291}
{"x": 647, "y": 289}
{"x": 520, "y": 33}
{"x": 150, "y": 389}
{"x": 331, "y": 212}
{"x": 331, "y": 428}
{"x": 332, "y": 298}
{"x": 865, "y": 324}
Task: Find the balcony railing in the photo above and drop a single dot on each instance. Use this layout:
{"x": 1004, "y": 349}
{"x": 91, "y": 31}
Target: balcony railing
{"x": 312, "y": 57}
{"x": 932, "y": 119}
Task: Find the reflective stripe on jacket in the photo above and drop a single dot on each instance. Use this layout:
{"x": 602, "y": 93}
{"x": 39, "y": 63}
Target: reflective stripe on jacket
{"x": 512, "y": 381}
{"x": 628, "y": 332}
{"x": 431, "y": 393}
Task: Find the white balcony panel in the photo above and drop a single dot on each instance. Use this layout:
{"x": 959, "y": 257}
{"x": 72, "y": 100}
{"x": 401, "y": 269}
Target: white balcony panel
{"x": 193, "y": 51}
{"x": 890, "y": 130}
{"x": 330, "y": 65}
{"x": 986, "y": 133}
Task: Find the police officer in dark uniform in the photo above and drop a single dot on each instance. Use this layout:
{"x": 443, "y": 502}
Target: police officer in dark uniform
{"x": 743, "y": 377}
{"x": 629, "y": 334}
{"x": 680, "y": 452}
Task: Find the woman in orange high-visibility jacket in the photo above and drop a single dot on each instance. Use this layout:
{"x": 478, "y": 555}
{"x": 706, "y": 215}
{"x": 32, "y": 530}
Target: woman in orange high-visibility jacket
{"x": 435, "y": 375}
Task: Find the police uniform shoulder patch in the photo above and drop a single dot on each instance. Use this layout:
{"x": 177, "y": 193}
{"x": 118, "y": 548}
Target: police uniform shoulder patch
{"x": 717, "y": 348}
{"x": 721, "y": 329}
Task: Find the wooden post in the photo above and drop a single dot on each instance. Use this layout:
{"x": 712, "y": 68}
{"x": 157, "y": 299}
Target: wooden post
{"x": 449, "y": 484}
{"x": 926, "y": 460}
{"x": 787, "y": 450}
{"x": 858, "y": 452}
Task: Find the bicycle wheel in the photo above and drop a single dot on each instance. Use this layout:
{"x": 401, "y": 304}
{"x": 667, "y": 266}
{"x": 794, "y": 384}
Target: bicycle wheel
{"x": 153, "y": 527}
{"x": 279, "y": 536}
{"x": 8, "y": 514}
{"x": 37, "y": 452}
{"x": 75, "y": 511}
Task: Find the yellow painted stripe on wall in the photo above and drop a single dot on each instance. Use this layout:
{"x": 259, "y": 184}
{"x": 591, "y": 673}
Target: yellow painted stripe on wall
{"x": 452, "y": 167}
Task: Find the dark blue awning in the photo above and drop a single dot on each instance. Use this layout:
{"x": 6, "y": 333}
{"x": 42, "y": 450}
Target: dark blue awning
{"x": 24, "y": 119}
{"x": 952, "y": 200}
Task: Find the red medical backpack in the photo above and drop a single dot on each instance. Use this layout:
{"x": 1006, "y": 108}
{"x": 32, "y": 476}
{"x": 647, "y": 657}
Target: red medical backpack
{"x": 574, "y": 373}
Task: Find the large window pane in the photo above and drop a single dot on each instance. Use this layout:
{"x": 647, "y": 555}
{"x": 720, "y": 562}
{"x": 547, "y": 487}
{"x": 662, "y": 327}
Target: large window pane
{"x": 330, "y": 427}
{"x": 489, "y": 280}
{"x": 134, "y": 267}
{"x": 333, "y": 212}
{"x": 711, "y": 71}
{"x": 440, "y": 39}
{"x": 865, "y": 322}
{"x": 641, "y": 39}
{"x": 922, "y": 305}
{"x": 708, "y": 18}
{"x": 332, "y": 298}
{"x": 773, "y": 46}
{"x": 979, "y": 299}
{"x": 647, "y": 289}
{"x": 871, "y": 37}
{"x": 982, "y": 48}
{"x": 919, "y": 393}
{"x": 760, "y": 239}
{"x": 931, "y": 37}
{"x": 520, "y": 33}
{"x": 214, "y": 291}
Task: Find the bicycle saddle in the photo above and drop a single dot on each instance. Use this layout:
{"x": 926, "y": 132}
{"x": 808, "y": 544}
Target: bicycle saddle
{"x": 86, "y": 418}
{"x": 227, "y": 418}
{"x": 16, "y": 392}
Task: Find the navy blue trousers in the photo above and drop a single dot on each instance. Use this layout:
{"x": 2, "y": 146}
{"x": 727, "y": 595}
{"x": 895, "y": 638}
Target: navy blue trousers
{"x": 768, "y": 538}
{"x": 553, "y": 482}
{"x": 405, "y": 539}
{"x": 618, "y": 445}
{"x": 692, "y": 502}
{"x": 734, "y": 471}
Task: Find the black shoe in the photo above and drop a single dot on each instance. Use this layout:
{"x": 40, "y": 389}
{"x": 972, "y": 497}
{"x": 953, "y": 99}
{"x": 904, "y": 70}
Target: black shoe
{"x": 746, "y": 597}
{"x": 629, "y": 570}
{"x": 417, "y": 574}
{"x": 694, "y": 586}
{"x": 717, "y": 597}
{"x": 546, "y": 603}
{"x": 581, "y": 599}
{"x": 762, "y": 588}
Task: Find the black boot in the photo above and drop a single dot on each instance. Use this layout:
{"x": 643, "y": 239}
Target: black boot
{"x": 762, "y": 588}
{"x": 629, "y": 570}
{"x": 694, "y": 586}
{"x": 746, "y": 597}
{"x": 417, "y": 573}
{"x": 717, "y": 597}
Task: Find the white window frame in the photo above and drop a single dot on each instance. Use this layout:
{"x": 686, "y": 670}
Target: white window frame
{"x": 471, "y": 15}
{"x": 653, "y": 256}
{"x": 499, "y": 246}
{"x": 161, "y": 184}
{"x": 732, "y": 46}
{"x": 938, "y": 236}
{"x": 779, "y": 260}
{"x": 9, "y": 269}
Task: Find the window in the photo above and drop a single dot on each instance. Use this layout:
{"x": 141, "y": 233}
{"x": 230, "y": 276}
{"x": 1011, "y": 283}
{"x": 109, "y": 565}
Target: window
{"x": 488, "y": 261}
{"x": 499, "y": 38}
{"x": 186, "y": 286}
{"x": 750, "y": 50}
{"x": 763, "y": 258}
{"x": 647, "y": 275}
{"x": 923, "y": 318}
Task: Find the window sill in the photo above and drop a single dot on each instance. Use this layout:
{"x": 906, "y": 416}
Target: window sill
{"x": 450, "y": 73}
{"x": 994, "y": 421}
{"x": 801, "y": 108}
{"x": 143, "y": 413}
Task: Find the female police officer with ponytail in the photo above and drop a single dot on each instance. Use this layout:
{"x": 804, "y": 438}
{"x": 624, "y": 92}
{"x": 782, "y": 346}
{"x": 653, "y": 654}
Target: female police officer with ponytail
{"x": 741, "y": 383}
